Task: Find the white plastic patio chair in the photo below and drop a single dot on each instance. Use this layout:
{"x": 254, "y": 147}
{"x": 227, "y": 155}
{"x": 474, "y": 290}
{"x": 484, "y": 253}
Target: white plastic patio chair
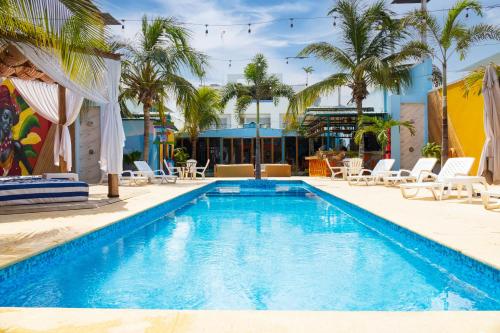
{"x": 352, "y": 166}
{"x": 201, "y": 170}
{"x": 172, "y": 170}
{"x": 423, "y": 167}
{"x": 381, "y": 169}
{"x": 487, "y": 195}
{"x": 143, "y": 169}
{"x": 457, "y": 166}
{"x": 191, "y": 168}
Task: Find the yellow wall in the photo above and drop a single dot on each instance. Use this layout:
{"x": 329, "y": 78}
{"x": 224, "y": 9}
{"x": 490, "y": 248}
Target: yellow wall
{"x": 466, "y": 117}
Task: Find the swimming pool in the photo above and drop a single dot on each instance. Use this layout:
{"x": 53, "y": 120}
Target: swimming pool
{"x": 265, "y": 245}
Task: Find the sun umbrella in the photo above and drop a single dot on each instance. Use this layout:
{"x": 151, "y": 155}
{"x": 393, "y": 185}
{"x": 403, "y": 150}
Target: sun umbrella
{"x": 490, "y": 156}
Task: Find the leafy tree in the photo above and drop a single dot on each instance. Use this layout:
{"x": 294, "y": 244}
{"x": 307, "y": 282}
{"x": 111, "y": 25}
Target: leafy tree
{"x": 152, "y": 73}
{"x": 375, "y": 53}
{"x": 308, "y": 70}
{"x": 200, "y": 113}
{"x": 452, "y": 37}
{"x": 260, "y": 86}
{"x": 380, "y": 128}
{"x": 74, "y": 32}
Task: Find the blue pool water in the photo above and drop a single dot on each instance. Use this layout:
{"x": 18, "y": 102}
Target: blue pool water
{"x": 277, "y": 247}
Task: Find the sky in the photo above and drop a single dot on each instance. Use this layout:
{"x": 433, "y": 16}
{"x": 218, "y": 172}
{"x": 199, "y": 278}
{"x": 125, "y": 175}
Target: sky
{"x": 276, "y": 40}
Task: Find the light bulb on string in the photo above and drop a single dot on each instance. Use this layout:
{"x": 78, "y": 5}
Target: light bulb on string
{"x": 286, "y": 61}
{"x": 249, "y": 28}
{"x": 291, "y": 23}
{"x": 206, "y": 29}
{"x": 467, "y": 12}
{"x": 335, "y": 21}
{"x": 123, "y": 24}
{"x": 230, "y": 63}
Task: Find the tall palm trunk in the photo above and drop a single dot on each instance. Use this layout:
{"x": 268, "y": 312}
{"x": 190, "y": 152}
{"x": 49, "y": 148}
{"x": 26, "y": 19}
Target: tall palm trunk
{"x": 444, "y": 134}
{"x": 359, "y": 110}
{"x": 147, "y": 124}
{"x": 257, "y": 144}
{"x": 194, "y": 142}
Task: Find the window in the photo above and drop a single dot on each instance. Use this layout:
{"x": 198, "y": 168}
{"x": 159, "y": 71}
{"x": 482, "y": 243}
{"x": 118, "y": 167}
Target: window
{"x": 224, "y": 122}
{"x": 265, "y": 120}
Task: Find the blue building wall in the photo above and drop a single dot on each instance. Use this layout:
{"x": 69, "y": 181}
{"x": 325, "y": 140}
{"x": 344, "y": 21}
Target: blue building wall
{"x": 134, "y": 133}
{"x": 421, "y": 75}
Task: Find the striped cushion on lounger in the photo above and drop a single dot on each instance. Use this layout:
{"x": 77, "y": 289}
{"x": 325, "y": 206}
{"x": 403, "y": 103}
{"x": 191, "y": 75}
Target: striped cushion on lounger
{"x": 33, "y": 190}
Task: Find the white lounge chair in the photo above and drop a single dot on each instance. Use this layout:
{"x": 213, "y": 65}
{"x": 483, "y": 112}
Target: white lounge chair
{"x": 381, "y": 169}
{"x": 129, "y": 177}
{"x": 423, "y": 167}
{"x": 143, "y": 169}
{"x": 172, "y": 170}
{"x": 487, "y": 195}
{"x": 457, "y": 166}
{"x": 352, "y": 167}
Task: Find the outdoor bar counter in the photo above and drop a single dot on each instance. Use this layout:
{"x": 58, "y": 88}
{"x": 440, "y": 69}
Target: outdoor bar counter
{"x": 317, "y": 166}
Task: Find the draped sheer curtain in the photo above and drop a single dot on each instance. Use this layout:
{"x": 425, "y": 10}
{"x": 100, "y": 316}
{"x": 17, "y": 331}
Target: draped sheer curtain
{"x": 103, "y": 90}
{"x": 43, "y": 98}
{"x": 491, "y": 149}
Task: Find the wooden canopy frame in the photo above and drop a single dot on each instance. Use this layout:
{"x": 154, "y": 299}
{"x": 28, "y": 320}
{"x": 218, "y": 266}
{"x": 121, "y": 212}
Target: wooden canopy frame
{"x": 13, "y": 63}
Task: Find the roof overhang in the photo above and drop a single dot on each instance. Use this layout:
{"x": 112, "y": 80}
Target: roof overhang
{"x": 406, "y": 1}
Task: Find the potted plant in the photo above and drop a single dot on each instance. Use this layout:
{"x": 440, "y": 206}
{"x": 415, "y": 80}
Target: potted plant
{"x": 180, "y": 155}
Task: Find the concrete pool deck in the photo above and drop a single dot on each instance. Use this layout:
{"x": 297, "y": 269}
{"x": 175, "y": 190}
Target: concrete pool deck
{"x": 467, "y": 228}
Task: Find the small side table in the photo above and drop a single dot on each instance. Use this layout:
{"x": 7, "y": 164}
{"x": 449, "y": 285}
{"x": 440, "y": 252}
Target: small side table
{"x": 467, "y": 182}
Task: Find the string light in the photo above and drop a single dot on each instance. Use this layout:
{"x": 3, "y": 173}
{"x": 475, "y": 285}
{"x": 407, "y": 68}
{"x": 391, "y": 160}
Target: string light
{"x": 206, "y": 29}
{"x": 335, "y": 21}
{"x": 249, "y": 28}
{"x": 123, "y": 24}
{"x": 291, "y": 22}
{"x": 467, "y": 12}
{"x": 229, "y": 62}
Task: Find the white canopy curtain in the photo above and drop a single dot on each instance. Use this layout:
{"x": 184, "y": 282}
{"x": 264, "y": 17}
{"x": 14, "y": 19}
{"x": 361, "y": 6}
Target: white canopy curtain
{"x": 491, "y": 149}
{"x": 43, "y": 98}
{"x": 103, "y": 89}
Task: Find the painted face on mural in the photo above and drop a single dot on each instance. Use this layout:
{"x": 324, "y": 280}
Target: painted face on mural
{"x": 11, "y": 150}
{"x": 8, "y": 118}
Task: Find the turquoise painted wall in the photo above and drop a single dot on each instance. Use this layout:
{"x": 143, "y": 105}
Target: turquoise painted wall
{"x": 134, "y": 132}
{"x": 421, "y": 75}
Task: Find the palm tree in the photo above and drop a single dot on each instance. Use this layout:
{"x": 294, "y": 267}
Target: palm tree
{"x": 201, "y": 113}
{"x": 380, "y": 128}
{"x": 73, "y": 31}
{"x": 375, "y": 54}
{"x": 308, "y": 70}
{"x": 260, "y": 86}
{"x": 474, "y": 80}
{"x": 453, "y": 37}
{"x": 152, "y": 73}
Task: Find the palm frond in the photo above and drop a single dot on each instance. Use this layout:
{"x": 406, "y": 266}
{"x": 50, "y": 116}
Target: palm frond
{"x": 306, "y": 97}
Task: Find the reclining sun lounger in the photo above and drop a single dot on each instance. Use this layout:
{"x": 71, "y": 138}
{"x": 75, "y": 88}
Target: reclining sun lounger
{"x": 487, "y": 195}
{"x": 423, "y": 167}
{"x": 143, "y": 169}
{"x": 383, "y": 168}
{"x": 457, "y": 166}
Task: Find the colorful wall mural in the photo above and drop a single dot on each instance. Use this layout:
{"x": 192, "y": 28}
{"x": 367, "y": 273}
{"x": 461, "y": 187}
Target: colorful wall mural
{"x": 22, "y": 133}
